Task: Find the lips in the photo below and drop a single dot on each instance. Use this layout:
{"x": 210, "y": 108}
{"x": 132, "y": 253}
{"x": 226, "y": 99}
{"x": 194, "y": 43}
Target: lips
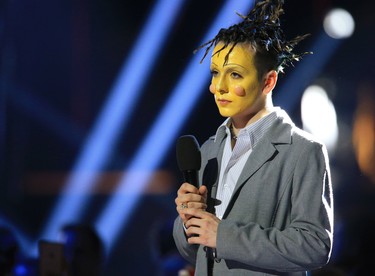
{"x": 223, "y": 101}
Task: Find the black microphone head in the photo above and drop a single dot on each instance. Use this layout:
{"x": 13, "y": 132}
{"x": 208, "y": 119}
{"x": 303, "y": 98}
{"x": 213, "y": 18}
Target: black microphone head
{"x": 188, "y": 153}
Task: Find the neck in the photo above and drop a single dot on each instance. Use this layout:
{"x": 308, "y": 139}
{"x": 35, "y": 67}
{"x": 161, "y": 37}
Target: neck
{"x": 266, "y": 108}
{"x": 234, "y": 132}
{"x": 239, "y": 123}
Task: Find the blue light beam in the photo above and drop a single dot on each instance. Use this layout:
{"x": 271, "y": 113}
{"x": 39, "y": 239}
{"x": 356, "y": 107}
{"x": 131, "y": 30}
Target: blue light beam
{"x": 184, "y": 97}
{"x": 114, "y": 116}
{"x": 21, "y": 238}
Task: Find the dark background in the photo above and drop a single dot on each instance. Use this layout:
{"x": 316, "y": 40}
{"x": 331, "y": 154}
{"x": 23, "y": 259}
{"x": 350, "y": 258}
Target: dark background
{"x": 58, "y": 62}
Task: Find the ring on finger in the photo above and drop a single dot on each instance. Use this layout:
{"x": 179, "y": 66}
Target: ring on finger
{"x": 184, "y": 205}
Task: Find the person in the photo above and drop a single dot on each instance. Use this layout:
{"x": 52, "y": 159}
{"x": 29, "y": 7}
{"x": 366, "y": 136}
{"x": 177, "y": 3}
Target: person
{"x": 83, "y": 248}
{"x": 264, "y": 205}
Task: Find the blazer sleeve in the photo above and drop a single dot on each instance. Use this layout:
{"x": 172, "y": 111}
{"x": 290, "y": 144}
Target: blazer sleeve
{"x": 305, "y": 242}
{"x": 187, "y": 251}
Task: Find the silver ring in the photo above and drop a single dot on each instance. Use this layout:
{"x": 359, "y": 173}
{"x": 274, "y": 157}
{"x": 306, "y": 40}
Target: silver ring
{"x": 184, "y": 205}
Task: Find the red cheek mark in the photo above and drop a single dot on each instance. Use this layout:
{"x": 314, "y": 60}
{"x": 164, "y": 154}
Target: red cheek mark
{"x": 212, "y": 88}
{"x": 239, "y": 91}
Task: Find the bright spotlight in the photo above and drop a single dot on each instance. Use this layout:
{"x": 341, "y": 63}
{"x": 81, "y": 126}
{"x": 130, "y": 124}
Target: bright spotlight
{"x": 319, "y": 115}
{"x": 339, "y": 23}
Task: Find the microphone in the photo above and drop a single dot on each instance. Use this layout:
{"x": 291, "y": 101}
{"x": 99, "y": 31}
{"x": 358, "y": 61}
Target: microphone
{"x": 189, "y": 158}
{"x": 189, "y": 162}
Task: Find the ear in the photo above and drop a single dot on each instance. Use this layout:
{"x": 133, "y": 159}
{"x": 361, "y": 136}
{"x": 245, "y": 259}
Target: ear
{"x": 270, "y": 81}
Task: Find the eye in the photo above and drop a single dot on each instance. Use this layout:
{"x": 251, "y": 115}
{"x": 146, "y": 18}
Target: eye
{"x": 214, "y": 73}
{"x": 235, "y": 75}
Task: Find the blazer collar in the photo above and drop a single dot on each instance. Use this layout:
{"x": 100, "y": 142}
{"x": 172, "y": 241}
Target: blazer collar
{"x": 279, "y": 133}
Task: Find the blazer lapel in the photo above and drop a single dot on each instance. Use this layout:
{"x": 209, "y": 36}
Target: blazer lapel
{"x": 257, "y": 158}
{"x": 279, "y": 133}
{"x": 212, "y": 170}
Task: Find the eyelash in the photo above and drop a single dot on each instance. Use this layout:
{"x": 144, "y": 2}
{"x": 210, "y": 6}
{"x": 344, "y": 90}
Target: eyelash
{"x": 213, "y": 73}
{"x": 233, "y": 74}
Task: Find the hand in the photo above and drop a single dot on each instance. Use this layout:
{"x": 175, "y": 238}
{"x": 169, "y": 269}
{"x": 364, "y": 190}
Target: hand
{"x": 189, "y": 196}
{"x": 201, "y": 227}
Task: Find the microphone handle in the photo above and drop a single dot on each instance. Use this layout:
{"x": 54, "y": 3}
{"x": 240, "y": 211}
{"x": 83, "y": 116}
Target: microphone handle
{"x": 191, "y": 176}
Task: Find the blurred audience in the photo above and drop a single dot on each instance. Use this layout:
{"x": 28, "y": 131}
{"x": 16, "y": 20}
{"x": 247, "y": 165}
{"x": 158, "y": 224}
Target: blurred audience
{"x": 83, "y": 250}
{"x": 8, "y": 251}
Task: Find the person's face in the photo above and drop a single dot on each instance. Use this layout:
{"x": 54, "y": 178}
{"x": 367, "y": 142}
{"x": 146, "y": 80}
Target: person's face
{"x": 235, "y": 85}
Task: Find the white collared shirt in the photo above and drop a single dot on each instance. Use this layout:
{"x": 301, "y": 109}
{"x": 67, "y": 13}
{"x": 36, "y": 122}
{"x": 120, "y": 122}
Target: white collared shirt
{"x": 233, "y": 161}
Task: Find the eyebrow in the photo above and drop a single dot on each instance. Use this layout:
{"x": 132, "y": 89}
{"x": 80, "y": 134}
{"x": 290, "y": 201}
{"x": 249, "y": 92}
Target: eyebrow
{"x": 232, "y": 64}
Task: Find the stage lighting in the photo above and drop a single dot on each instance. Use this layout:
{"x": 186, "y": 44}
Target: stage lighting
{"x": 115, "y": 115}
{"x": 162, "y": 133}
{"x": 339, "y": 24}
{"x": 319, "y": 116}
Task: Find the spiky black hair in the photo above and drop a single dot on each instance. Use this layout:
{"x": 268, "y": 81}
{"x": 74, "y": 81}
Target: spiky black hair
{"x": 262, "y": 29}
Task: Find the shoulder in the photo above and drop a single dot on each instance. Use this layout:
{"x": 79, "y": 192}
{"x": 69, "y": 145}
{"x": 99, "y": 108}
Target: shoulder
{"x": 302, "y": 137}
{"x": 209, "y": 143}
{"x": 299, "y": 136}
{"x": 309, "y": 146}
{"x": 214, "y": 140}
{"x": 288, "y": 137}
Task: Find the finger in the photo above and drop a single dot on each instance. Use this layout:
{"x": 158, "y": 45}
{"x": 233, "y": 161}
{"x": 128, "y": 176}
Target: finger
{"x": 197, "y": 205}
{"x": 192, "y": 232}
{"x": 189, "y": 198}
{"x": 180, "y": 208}
{"x": 203, "y": 191}
{"x": 193, "y": 238}
{"x": 187, "y": 188}
{"x": 195, "y": 198}
{"x": 193, "y": 222}
{"x": 198, "y": 213}
{"x": 185, "y": 218}
{"x": 198, "y": 237}
{"x": 182, "y": 199}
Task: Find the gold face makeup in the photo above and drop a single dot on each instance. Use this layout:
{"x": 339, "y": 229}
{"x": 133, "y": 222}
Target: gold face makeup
{"x": 235, "y": 84}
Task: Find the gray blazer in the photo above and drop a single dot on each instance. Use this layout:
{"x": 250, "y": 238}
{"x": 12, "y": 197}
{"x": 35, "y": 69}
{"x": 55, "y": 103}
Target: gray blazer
{"x": 280, "y": 218}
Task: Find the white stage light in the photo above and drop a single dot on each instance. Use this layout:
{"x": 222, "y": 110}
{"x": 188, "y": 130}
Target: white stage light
{"x": 319, "y": 116}
{"x": 339, "y": 23}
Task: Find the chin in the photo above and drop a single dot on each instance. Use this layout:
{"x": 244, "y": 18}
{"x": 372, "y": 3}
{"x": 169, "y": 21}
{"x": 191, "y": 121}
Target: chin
{"x": 225, "y": 114}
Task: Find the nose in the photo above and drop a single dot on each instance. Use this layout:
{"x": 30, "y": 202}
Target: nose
{"x": 221, "y": 86}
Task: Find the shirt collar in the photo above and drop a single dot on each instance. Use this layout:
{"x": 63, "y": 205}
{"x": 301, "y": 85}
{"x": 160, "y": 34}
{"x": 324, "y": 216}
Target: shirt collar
{"x": 255, "y": 130}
